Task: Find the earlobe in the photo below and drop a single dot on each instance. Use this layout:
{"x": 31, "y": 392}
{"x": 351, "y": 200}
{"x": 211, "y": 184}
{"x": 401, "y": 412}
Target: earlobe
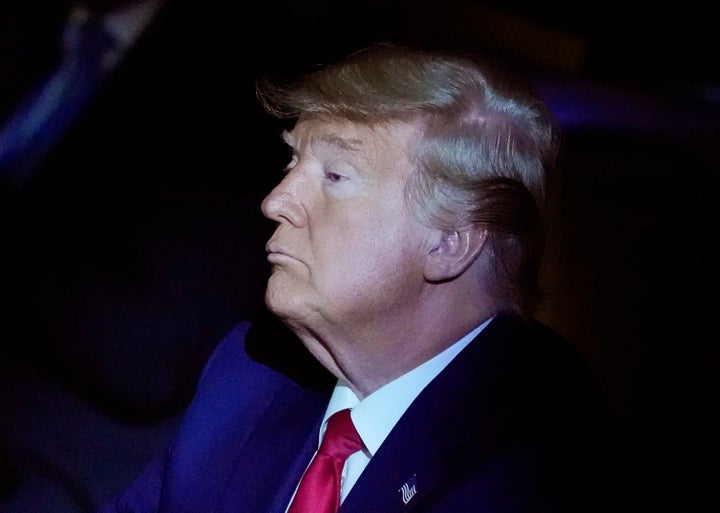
{"x": 453, "y": 253}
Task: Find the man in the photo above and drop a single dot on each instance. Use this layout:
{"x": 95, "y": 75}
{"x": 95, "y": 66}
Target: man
{"x": 405, "y": 259}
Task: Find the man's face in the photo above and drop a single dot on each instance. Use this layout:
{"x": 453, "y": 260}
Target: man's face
{"x": 346, "y": 250}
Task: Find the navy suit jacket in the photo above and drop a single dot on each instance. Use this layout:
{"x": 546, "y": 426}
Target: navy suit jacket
{"x": 515, "y": 423}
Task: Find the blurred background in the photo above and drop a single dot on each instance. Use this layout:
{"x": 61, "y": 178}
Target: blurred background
{"x": 133, "y": 159}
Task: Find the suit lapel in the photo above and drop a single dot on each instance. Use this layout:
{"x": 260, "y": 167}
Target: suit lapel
{"x": 276, "y": 455}
{"x": 398, "y": 476}
{"x": 438, "y": 434}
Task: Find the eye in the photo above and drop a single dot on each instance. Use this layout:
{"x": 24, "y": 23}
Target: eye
{"x": 333, "y": 177}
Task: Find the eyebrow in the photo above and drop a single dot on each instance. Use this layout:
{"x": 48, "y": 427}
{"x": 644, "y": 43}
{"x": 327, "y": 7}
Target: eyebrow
{"x": 343, "y": 143}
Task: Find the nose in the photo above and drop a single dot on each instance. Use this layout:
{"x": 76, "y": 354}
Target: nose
{"x": 283, "y": 204}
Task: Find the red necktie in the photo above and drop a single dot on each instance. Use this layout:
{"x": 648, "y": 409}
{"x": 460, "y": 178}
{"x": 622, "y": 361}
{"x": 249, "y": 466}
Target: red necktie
{"x": 319, "y": 490}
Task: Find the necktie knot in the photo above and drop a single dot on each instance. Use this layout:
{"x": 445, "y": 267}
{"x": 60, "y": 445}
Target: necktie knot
{"x": 319, "y": 490}
{"x": 341, "y": 438}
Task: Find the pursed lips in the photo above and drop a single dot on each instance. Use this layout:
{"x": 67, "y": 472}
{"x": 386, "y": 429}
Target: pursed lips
{"x": 275, "y": 253}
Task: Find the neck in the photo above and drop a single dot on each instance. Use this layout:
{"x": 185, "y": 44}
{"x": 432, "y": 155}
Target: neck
{"x": 368, "y": 355}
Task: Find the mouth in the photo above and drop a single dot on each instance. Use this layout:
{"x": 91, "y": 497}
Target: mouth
{"x": 276, "y": 254}
{"x": 272, "y": 248}
{"x": 277, "y": 258}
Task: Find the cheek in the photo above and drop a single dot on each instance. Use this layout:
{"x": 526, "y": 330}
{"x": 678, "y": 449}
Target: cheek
{"x": 365, "y": 239}
{"x": 371, "y": 254}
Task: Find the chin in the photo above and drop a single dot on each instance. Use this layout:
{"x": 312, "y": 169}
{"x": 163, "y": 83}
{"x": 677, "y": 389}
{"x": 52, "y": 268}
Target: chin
{"x": 282, "y": 305}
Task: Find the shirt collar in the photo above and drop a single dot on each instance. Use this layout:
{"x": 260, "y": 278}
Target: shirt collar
{"x": 376, "y": 415}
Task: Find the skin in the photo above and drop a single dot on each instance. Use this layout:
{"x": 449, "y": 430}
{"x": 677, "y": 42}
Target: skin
{"x": 370, "y": 291}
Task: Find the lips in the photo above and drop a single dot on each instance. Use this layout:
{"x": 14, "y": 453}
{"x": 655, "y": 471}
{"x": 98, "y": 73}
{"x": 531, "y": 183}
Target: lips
{"x": 275, "y": 253}
{"x": 273, "y": 247}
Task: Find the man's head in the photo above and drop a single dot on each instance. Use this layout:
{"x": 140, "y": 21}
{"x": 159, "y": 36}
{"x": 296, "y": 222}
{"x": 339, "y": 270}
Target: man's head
{"x": 483, "y": 154}
{"x": 414, "y": 173}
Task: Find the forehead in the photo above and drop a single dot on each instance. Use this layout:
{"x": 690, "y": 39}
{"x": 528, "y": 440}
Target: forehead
{"x": 358, "y": 140}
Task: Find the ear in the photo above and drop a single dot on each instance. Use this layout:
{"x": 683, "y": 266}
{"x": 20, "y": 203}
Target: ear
{"x": 452, "y": 253}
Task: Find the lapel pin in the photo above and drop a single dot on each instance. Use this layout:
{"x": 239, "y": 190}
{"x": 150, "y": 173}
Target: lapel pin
{"x": 409, "y": 489}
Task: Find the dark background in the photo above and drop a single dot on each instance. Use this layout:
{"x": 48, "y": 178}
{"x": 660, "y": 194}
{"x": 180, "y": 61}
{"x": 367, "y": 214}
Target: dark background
{"x": 137, "y": 242}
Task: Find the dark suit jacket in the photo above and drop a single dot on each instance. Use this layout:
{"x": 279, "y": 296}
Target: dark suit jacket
{"x": 515, "y": 423}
